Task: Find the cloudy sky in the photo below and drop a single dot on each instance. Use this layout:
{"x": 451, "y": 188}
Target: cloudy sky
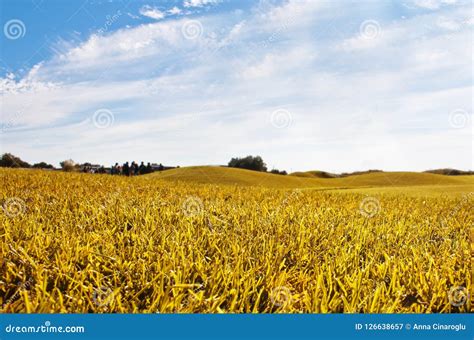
{"x": 331, "y": 85}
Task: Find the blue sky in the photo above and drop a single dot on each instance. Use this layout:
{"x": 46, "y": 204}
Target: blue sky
{"x": 332, "y": 85}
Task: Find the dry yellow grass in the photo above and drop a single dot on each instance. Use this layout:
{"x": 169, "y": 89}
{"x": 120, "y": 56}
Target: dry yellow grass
{"x": 99, "y": 243}
{"x": 232, "y": 176}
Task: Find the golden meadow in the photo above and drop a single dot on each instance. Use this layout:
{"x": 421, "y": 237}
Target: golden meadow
{"x": 83, "y": 243}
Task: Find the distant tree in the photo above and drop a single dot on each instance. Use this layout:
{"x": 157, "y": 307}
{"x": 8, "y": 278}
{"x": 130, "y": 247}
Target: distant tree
{"x": 346, "y": 174}
{"x": 450, "y": 172}
{"x": 43, "y": 165}
{"x": 250, "y": 162}
{"x": 10, "y": 161}
{"x": 68, "y": 165}
{"x": 278, "y": 172}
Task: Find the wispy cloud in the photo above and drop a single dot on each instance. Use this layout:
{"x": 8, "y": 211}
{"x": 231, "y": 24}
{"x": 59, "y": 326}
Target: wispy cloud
{"x": 152, "y": 12}
{"x": 433, "y": 4}
{"x": 200, "y": 3}
{"x": 361, "y": 90}
{"x": 174, "y": 11}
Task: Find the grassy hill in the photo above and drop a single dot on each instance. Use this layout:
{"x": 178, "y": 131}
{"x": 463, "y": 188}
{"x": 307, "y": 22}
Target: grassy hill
{"x": 324, "y": 174}
{"x": 450, "y": 172}
{"x": 233, "y": 176}
{"x": 314, "y": 174}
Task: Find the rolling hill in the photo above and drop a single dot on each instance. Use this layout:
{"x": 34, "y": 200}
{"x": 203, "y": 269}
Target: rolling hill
{"x": 324, "y": 174}
{"x": 233, "y": 176}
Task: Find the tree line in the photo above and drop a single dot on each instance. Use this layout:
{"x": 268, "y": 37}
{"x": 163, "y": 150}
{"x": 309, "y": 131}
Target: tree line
{"x": 254, "y": 163}
{"x": 8, "y": 160}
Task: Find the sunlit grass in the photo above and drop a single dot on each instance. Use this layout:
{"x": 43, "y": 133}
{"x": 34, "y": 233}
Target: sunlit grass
{"x": 99, "y": 243}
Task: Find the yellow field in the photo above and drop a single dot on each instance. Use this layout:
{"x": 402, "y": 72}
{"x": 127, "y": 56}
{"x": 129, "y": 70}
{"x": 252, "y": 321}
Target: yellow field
{"x": 232, "y": 176}
{"x": 212, "y": 240}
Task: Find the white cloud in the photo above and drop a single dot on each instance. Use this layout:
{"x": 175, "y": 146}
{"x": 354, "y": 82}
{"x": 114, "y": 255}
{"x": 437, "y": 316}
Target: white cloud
{"x": 384, "y": 104}
{"x": 433, "y": 4}
{"x": 449, "y": 24}
{"x": 279, "y": 63}
{"x": 200, "y": 3}
{"x": 133, "y": 16}
{"x": 152, "y": 12}
{"x": 174, "y": 11}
